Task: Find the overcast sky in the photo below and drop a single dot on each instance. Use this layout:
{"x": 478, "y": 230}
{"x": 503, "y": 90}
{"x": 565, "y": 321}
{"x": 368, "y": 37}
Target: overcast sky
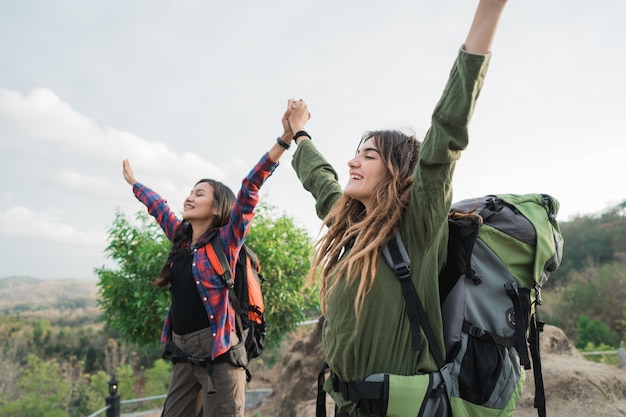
{"x": 193, "y": 89}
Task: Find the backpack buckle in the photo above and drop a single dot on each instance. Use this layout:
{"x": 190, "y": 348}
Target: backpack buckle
{"x": 197, "y": 361}
{"x": 540, "y": 325}
{"x": 476, "y": 332}
{"x": 511, "y": 288}
{"x": 403, "y": 271}
{"x": 538, "y": 295}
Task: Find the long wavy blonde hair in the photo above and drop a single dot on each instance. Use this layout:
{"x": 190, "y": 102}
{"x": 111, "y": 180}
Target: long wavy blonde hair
{"x": 364, "y": 233}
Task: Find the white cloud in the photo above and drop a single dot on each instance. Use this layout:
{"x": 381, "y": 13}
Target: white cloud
{"x": 42, "y": 116}
{"x": 86, "y": 184}
{"x": 22, "y": 222}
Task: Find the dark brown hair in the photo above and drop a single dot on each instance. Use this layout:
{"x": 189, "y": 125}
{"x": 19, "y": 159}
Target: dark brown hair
{"x": 223, "y": 200}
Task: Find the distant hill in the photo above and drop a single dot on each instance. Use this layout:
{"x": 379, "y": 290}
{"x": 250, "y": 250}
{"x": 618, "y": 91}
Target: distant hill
{"x": 47, "y": 298}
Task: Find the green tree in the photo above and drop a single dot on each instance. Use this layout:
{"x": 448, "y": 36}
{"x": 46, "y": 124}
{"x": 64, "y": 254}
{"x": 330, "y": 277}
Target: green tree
{"x": 611, "y": 308}
{"x": 129, "y": 302}
{"x": 95, "y": 388}
{"x": 593, "y": 333}
{"x": 126, "y": 381}
{"x": 92, "y": 393}
{"x": 157, "y": 378}
{"x": 135, "y": 308}
{"x": 42, "y": 391}
{"x": 594, "y": 294}
{"x": 41, "y": 332}
{"x": 591, "y": 240}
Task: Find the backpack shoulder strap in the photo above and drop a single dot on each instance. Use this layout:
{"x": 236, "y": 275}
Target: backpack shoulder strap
{"x": 397, "y": 257}
{"x": 218, "y": 260}
{"x": 536, "y": 327}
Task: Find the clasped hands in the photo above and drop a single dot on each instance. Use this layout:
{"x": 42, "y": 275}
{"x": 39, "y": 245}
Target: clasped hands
{"x": 295, "y": 118}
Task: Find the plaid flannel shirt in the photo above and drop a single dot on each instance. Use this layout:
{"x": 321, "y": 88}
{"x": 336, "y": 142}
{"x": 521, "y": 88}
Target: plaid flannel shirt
{"x": 212, "y": 290}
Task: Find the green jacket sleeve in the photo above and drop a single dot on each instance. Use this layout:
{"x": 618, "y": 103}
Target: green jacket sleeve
{"x": 317, "y": 176}
{"x": 447, "y": 137}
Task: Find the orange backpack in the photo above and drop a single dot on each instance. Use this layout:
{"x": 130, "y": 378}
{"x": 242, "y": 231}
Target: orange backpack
{"x": 244, "y": 292}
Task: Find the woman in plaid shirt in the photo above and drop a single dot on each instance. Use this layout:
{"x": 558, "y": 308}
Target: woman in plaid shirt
{"x": 201, "y": 319}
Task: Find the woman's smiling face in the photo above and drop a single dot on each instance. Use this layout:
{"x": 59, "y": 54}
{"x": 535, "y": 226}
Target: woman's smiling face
{"x": 200, "y": 204}
{"x": 367, "y": 170}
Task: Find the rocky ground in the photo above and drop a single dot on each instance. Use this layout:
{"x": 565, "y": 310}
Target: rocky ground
{"x": 575, "y": 387}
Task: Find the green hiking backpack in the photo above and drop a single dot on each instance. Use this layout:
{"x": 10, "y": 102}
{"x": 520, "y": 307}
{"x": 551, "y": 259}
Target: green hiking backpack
{"x": 501, "y": 250}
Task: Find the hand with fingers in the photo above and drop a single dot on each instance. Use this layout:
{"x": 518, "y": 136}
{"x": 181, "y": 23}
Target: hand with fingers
{"x": 299, "y": 115}
{"x": 287, "y": 132}
{"x": 127, "y": 171}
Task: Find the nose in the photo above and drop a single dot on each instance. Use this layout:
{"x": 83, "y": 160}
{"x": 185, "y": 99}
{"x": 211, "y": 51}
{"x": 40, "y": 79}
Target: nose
{"x": 353, "y": 162}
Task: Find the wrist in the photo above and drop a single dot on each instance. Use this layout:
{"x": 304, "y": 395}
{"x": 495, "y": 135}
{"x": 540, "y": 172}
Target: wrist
{"x": 283, "y": 144}
{"x": 300, "y": 134}
{"x": 286, "y": 137}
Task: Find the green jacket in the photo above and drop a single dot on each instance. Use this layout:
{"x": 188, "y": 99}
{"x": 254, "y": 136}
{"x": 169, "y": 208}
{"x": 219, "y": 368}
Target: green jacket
{"x": 381, "y": 341}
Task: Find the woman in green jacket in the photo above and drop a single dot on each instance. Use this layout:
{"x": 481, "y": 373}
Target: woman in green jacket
{"x": 395, "y": 182}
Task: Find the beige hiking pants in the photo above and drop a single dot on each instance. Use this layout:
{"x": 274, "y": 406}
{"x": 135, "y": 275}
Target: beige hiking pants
{"x": 189, "y": 383}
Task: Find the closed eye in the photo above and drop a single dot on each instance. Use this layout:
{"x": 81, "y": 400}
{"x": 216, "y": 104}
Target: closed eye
{"x": 370, "y": 153}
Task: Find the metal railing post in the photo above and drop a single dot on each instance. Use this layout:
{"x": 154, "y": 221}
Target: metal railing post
{"x": 113, "y": 400}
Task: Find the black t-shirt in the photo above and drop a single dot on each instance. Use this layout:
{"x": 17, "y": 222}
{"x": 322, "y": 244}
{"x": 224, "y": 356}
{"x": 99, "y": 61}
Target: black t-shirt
{"x": 188, "y": 312}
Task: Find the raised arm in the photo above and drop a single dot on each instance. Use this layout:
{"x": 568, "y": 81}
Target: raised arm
{"x": 284, "y": 141}
{"x": 156, "y": 205}
{"x": 483, "y": 28}
{"x": 314, "y": 172}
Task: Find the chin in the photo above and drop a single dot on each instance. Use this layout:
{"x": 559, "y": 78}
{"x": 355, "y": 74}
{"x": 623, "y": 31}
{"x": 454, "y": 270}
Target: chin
{"x": 348, "y": 191}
